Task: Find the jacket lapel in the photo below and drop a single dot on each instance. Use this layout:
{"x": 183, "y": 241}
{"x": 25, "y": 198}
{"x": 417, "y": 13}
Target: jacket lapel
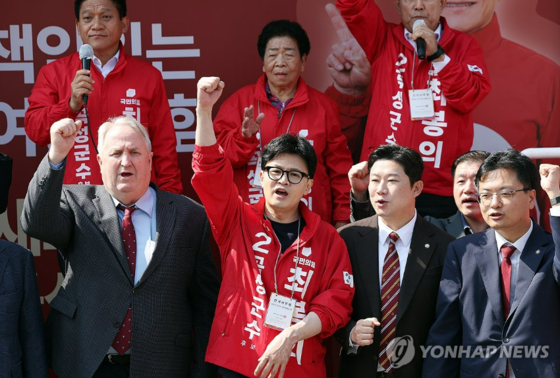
{"x": 108, "y": 221}
{"x": 422, "y": 247}
{"x": 165, "y": 224}
{"x": 456, "y": 226}
{"x": 487, "y": 260}
{"x": 530, "y": 260}
{"x": 368, "y": 261}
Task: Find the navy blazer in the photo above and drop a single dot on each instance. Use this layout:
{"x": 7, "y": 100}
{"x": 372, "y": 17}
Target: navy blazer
{"x": 22, "y": 335}
{"x": 469, "y": 309}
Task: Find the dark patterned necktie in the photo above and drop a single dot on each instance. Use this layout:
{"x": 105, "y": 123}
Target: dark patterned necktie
{"x": 390, "y": 288}
{"x": 122, "y": 341}
{"x": 505, "y": 269}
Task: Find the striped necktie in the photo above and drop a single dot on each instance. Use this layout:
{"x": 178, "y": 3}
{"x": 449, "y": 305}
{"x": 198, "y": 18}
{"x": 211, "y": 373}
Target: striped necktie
{"x": 390, "y": 288}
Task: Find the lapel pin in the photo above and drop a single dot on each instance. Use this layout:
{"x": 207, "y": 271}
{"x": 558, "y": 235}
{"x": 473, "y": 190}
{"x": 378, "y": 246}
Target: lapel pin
{"x": 426, "y": 245}
{"x": 538, "y": 251}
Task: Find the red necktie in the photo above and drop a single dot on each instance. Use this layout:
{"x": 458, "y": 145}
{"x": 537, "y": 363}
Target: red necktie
{"x": 390, "y": 287}
{"x": 122, "y": 341}
{"x": 505, "y": 269}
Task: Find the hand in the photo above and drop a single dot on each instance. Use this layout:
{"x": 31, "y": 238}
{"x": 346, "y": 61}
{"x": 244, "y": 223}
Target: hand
{"x": 209, "y": 90}
{"x": 81, "y": 85}
{"x": 362, "y": 333}
{"x": 359, "y": 180}
{"x": 250, "y": 125}
{"x": 550, "y": 179}
{"x": 276, "y": 356}
{"x": 347, "y": 63}
{"x": 423, "y": 31}
{"x": 63, "y": 135}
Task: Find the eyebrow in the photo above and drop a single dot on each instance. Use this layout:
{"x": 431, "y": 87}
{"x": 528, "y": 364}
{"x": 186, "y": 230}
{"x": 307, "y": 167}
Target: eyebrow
{"x": 278, "y": 48}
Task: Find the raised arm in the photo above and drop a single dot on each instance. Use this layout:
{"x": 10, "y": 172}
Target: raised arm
{"x": 550, "y": 183}
{"x": 45, "y": 204}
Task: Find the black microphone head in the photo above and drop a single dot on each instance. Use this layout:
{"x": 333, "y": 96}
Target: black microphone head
{"x": 86, "y": 52}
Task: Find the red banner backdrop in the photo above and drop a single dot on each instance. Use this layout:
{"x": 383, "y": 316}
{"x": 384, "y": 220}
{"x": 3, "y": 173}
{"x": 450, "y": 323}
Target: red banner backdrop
{"x": 186, "y": 41}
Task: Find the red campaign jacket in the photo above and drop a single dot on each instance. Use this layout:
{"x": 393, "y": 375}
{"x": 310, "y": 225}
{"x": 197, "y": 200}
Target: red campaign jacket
{"x": 315, "y": 117}
{"x": 248, "y": 250}
{"x": 133, "y": 88}
{"x": 457, "y": 89}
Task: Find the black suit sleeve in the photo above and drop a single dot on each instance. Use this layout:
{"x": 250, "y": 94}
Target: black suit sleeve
{"x": 31, "y": 327}
{"x": 360, "y": 210}
{"x": 203, "y": 295}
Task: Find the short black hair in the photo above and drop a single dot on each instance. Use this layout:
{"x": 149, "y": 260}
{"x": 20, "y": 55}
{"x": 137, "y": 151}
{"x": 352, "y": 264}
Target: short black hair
{"x": 409, "y": 160}
{"x": 119, "y": 4}
{"x": 475, "y": 156}
{"x": 514, "y": 160}
{"x": 284, "y": 28}
{"x": 291, "y": 144}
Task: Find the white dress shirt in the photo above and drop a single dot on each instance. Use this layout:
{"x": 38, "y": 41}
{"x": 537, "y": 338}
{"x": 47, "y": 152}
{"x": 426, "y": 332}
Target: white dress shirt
{"x": 109, "y": 66}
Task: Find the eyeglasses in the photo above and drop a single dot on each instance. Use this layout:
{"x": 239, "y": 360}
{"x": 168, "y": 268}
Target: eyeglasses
{"x": 294, "y": 177}
{"x": 505, "y": 196}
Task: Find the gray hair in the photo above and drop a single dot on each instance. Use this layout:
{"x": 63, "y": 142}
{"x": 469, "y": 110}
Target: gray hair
{"x": 124, "y": 121}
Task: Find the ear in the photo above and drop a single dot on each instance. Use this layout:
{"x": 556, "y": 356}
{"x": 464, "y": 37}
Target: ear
{"x": 417, "y": 188}
{"x": 125, "y": 24}
{"x": 150, "y": 158}
{"x": 309, "y": 185}
{"x": 261, "y": 174}
{"x": 532, "y": 195}
{"x": 303, "y": 60}
{"x": 99, "y": 160}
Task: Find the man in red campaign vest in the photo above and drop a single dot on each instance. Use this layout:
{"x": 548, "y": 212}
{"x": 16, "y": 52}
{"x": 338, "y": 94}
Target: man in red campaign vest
{"x": 115, "y": 85}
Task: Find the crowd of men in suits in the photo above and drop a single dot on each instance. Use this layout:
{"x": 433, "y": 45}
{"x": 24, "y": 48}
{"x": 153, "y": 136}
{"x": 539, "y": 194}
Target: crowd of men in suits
{"x": 499, "y": 287}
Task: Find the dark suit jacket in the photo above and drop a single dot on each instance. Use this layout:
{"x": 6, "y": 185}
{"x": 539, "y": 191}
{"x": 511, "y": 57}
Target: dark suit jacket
{"x": 417, "y": 298}
{"x": 452, "y": 225}
{"x": 469, "y": 308}
{"x": 172, "y": 305}
{"x": 22, "y": 334}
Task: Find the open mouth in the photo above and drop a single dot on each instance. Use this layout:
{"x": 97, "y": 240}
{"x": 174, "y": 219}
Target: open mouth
{"x": 469, "y": 200}
{"x": 281, "y": 192}
{"x": 126, "y": 174}
{"x": 496, "y": 216}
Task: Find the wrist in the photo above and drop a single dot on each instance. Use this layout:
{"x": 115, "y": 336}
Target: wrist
{"x": 353, "y": 92}
{"x": 359, "y": 196}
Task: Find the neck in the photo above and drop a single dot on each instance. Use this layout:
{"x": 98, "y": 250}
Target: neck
{"x": 283, "y": 94}
{"x": 281, "y": 216}
{"x": 396, "y": 224}
{"x": 512, "y": 235}
{"x": 104, "y": 58}
{"x": 476, "y": 225}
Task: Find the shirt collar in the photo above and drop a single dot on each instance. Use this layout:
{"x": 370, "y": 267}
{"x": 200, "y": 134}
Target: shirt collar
{"x": 519, "y": 244}
{"x": 405, "y": 232}
{"x": 110, "y": 65}
{"x": 145, "y": 203}
{"x": 438, "y": 32}
{"x": 466, "y": 225}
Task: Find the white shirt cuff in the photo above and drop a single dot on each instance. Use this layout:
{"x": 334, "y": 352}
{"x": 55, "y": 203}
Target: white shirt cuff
{"x": 352, "y": 348}
{"x": 555, "y": 211}
{"x": 438, "y": 66}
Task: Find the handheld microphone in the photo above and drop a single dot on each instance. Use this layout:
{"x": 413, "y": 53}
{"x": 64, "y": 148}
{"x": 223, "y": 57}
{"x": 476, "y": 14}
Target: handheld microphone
{"x": 86, "y": 55}
{"x": 420, "y": 43}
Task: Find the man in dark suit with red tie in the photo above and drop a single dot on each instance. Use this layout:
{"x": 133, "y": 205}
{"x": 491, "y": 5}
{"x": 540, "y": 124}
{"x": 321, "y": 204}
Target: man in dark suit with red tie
{"x": 140, "y": 289}
{"x": 397, "y": 259}
{"x": 500, "y": 289}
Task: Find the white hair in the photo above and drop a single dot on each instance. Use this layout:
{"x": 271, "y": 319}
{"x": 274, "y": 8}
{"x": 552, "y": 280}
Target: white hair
{"x": 125, "y": 121}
